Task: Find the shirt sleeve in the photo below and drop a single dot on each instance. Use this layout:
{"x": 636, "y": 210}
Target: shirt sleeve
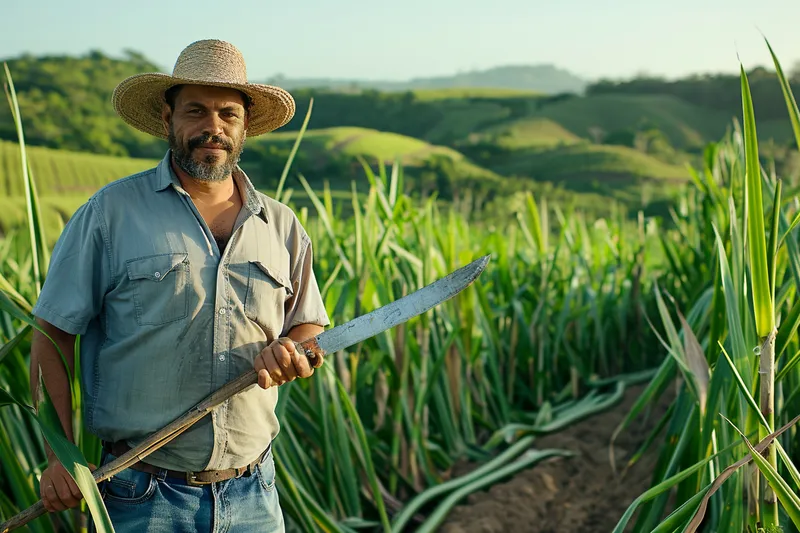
{"x": 78, "y": 274}
{"x": 305, "y": 306}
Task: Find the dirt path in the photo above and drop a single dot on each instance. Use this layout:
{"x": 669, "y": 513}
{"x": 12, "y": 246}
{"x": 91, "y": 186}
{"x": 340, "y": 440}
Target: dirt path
{"x": 575, "y": 494}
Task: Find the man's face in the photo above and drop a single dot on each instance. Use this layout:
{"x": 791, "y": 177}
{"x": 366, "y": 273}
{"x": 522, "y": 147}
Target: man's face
{"x": 206, "y": 131}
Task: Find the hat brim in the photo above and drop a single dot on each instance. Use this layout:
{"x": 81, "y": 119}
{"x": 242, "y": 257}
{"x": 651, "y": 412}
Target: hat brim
{"x": 138, "y": 101}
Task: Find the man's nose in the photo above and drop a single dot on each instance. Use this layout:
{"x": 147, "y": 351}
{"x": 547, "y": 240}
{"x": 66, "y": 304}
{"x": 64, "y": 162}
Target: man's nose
{"x": 213, "y": 124}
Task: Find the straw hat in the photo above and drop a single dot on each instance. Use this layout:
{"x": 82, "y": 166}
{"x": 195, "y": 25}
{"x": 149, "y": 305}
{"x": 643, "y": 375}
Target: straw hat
{"x": 138, "y": 99}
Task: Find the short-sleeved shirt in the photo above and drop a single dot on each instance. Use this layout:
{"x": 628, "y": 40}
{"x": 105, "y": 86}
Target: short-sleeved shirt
{"x": 166, "y": 318}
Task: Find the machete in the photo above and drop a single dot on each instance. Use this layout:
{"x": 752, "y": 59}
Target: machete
{"x": 328, "y": 342}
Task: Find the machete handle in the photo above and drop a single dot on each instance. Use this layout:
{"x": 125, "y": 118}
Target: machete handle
{"x": 311, "y": 348}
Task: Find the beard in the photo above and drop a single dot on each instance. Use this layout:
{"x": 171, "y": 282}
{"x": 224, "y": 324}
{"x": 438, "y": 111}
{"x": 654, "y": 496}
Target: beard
{"x": 209, "y": 168}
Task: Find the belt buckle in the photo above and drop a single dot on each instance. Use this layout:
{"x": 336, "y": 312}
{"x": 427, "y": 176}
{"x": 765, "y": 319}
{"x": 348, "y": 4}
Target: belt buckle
{"x": 191, "y": 479}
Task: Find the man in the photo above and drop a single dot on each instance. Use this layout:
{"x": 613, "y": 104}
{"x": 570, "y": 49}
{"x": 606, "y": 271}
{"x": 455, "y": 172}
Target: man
{"x": 180, "y": 279}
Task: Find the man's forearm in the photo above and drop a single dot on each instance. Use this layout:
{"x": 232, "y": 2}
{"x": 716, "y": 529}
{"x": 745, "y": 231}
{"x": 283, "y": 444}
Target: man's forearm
{"x": 302, "y": 332}
{"x": 45, "y": 356}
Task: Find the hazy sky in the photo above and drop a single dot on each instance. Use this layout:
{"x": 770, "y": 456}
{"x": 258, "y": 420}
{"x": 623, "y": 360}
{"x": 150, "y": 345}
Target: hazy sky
{"x": 408, "y": 38}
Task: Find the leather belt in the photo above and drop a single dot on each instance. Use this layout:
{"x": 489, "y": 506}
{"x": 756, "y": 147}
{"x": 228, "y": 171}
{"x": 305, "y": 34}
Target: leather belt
{"x": 204, "y": 477}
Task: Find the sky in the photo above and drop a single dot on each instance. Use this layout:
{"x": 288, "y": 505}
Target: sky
{"x": 368, "y": 39}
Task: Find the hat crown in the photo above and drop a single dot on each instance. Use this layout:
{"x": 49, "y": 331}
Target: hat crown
{"x": 211, "y": 60}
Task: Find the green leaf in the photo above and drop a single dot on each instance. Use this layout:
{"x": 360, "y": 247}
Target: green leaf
{"x": 34, "y": 222}
{"x": 13, "y": 343}
{"x": 757, "y": 246}
{"x": 787, "y": 497}
{"x": 663, "y": 487}
{"x": 787, "y": 329}
{"x": 791, "y": 104}
{"x": 729, "y": 471}
{"x": 285, "y": 173}
{"x": 73, "y": 460}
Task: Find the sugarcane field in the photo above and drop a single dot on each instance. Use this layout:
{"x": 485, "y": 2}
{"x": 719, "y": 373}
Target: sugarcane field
{"x": 408, "y": 268}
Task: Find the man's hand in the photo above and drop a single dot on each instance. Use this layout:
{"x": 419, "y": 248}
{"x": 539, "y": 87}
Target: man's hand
{"x": 57, "y": 489}
{"x": 280, "y": 362}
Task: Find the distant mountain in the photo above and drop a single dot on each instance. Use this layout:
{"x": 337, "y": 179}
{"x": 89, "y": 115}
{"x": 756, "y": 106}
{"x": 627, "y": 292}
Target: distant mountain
{"x": 547, "y": 79}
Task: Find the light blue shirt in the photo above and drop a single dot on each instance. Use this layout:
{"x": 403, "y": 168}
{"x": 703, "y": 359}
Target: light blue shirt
{"x": 166, "y": 317}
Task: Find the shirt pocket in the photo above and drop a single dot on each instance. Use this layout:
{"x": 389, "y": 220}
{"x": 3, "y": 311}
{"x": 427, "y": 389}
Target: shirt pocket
{"x": 160, "y": 292}
{"x": 268, "y": 288}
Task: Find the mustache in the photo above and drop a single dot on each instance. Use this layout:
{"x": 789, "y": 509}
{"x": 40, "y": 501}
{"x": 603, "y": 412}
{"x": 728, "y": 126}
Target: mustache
{"x": 200, "y": 140}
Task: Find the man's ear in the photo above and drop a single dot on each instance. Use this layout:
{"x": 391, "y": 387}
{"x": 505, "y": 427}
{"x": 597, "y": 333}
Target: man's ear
{"x": 166, "y": 115}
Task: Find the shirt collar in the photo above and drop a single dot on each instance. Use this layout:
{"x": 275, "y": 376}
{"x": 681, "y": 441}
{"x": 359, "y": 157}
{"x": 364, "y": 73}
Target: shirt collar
{"x": 165, "y": 177}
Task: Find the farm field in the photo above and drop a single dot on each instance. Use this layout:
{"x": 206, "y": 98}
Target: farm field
{"x": 606, "y": 373}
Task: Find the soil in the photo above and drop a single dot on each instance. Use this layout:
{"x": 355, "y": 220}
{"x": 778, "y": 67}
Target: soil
{"x": 571, "y": 494}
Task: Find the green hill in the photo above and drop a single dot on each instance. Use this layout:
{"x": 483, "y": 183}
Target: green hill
{"x": 526, "y": 133}
{"x": 351, "y": 142}
{"x": 588, "y": 159}
{"x": 685, "y": 125}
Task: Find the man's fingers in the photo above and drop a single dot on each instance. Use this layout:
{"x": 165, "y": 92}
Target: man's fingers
{"x": 301, "y": 364}
{"x": 52, "y": 497}
{"x": 283, "y": 349}
{"x": 264, "y": 381}
{"x": 68, "y": 500}
{"x": 281, "y": 362}
{"x": 272, "y": 366}
{"x": 75, "y": 492}
{"x": 68, "y": 492}
{"x": 45, "y": 499}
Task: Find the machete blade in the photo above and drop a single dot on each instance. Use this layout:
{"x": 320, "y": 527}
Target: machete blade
{"x": 396, "y": 312}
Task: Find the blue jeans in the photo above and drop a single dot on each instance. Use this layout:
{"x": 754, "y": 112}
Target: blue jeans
{"x": 139, "y": 502}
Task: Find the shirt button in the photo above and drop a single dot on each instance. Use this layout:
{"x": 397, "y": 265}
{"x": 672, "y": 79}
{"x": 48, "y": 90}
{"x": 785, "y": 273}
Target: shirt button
{"x": 222, "y": 356}
{"x": 157, "y": 275}
{"x": 222, "y": 311}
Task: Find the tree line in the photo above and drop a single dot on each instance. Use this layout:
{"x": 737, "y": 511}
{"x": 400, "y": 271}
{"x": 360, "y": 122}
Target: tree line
{"x": 715, "y": 91}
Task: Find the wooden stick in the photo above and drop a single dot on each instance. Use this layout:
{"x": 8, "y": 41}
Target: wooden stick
{"x": 171, "y": 430}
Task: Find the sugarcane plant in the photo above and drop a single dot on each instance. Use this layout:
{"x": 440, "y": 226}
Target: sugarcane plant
{"x": 721, "y": 451}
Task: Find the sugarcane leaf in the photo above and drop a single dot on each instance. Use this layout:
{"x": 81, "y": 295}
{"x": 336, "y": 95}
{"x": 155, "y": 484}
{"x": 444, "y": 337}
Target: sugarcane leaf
{"x": 790, "y": 501}
{"x": 787, "y": 330}
{"x": 663, "y": 487}
{"x": 696, "y": 362}
{"x": 72, "y": 459}
{"x": 13, "y": 343}
{"x": 288, "y": 164}
{"x": 730, "y": 470}
{"x": 791, "y": 104}
{"x": 756, "y": 245}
